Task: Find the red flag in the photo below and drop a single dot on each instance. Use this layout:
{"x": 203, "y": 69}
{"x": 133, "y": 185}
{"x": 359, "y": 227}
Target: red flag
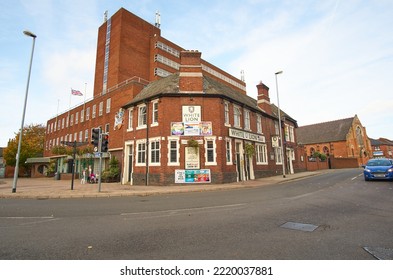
{"x": 76, "y": 92}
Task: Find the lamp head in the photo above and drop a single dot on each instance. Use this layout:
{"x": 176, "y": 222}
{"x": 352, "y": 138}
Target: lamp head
{"x": 29, "y": 33}
{"x": 279, "y": 72}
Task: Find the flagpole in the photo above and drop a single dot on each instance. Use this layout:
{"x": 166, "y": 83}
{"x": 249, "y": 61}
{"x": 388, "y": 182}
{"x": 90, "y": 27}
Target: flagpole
{"x": 69, "y": 107}
{"x": 84, "y": 98}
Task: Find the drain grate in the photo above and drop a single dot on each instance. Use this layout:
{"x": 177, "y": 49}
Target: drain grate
{"x": 380, "y": 253}
{"x": 299, "y": 226}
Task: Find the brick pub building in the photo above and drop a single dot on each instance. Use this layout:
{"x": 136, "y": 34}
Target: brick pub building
{"x": 172, "y": 117}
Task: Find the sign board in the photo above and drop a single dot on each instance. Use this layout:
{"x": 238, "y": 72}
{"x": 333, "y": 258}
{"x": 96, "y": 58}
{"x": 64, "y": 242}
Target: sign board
{"x": 192, "y": 176}
{"x": 192, "y": 128}
{"x": 177, "y": 128}
{"x": 191, "y": 113}
{"x": 246, "y": 135}
{"x": 192, "y": 158}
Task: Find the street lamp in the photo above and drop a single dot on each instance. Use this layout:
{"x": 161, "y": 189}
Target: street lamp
{"x": 30, "y": 34}
{"x": 280, "y": 128}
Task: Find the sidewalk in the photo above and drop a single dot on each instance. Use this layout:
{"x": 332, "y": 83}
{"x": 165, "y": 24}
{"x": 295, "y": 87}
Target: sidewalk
{"x": 45, "y": 188}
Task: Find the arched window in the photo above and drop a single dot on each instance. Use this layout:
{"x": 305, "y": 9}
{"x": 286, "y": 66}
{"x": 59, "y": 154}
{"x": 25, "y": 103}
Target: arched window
{"x": 312, "y": 151}
{"x": 326, "y": 150}
{"x": 359, "y": 136}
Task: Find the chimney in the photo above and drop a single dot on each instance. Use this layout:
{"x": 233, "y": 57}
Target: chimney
{"x": 263, "y": 98}
{"x": 190, "y": 76}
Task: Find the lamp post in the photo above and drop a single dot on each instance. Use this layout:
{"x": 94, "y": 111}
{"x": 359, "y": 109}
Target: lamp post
{"x": 280, "y": 128}
{"x": 30, "y": 34}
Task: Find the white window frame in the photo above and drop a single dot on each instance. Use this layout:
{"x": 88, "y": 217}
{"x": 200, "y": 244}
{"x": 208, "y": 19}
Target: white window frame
{"x": 278, "y": 155}
{"x": 237, "y": 112}
{"x": 87, "y": 113}
{"x": 100, "y": 108}
{"x": 154, "y": 113}
{"x": 247, "y": 119}
{"x": 228, "y": 151}
{"x": 93, "y": 113}
{"x": 176, "y": 149}
{"x": 226, "y": 113}
{"x": 108, "y": 106}
{"x": 213, "y": 149}
{"x": 140, "y": 152}
{"x": 76, "y": 117}
{"x": 86, "y": 135}
{"x": 142, "y": 119}
{"x": 261, "y": 154}
{"x": 259, "y": 124}
{"x": 72, "y": 120}
{"x": 130, "y": 119}
{"x": 153, "y": 142}
{"x": 82, "y": 115}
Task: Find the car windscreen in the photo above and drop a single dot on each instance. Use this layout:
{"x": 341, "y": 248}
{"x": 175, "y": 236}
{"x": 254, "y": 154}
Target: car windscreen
{"x": 379, "y": 163}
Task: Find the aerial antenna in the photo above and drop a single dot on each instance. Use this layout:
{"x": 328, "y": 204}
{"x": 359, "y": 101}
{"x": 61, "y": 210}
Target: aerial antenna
{"x": 105, "y": 15}
{"x": 158, "y": 19}
{"x": 242, "y": 75}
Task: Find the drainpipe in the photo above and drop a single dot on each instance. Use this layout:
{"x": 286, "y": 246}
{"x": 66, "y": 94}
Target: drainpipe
{"x": 147, "y": 143}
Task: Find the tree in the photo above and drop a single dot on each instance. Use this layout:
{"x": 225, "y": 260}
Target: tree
{"x": 32, "y": 145}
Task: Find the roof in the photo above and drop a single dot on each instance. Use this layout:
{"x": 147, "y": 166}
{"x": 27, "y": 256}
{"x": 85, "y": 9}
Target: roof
{"x": 381, "y": 142}
{"x": 170, "y": 86}
{"x": 38, "y": 160}
{"x": 283, "y": 114}
{"x": 332, "y": 131}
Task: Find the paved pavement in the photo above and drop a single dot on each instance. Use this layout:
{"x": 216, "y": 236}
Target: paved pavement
{"x": 45, "y": 188}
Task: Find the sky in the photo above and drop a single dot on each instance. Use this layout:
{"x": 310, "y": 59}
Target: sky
{"x": 336, "y": 56}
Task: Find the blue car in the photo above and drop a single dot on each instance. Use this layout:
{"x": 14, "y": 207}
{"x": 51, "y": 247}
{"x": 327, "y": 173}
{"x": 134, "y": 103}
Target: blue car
{"x": 378, "y": 168}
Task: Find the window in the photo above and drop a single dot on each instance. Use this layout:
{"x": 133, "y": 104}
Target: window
{"x": 259, "y": 124}
{"x": 86, "y": 135}
{"x": 67, "y": 120}
{"x": 276, "y": 128}
{"x": 236, "y": 116}
{"x": 155, "y": 113}
{"x": 173, "y": 151}
{"x": 247, "y": 125}
{"x": 261, "y": 153}
{"x": 210, "y": 151}
{"x": 72, "y": 120}
{"x": 62, "y": 123}
{"x": 108, "y": 105}
{"x": 93, "y": 113}
{"x": 130, "y": 119}
{"x": 226, "y": 113}
{"x": 100, "y": 108}
{"x": 80, "y": 136}
{"x": 228, "y": 151}
{"x": 155, "y": 151}
{"x": 278, "y": 155}
{"x": 82, "y": 115}
{"x": 76, "y": 117}
{"x": 141, "y": 153}
{"x": 88, "y": 113}
{"x": 107, "y": 128}
{"x": 142, "y": 118}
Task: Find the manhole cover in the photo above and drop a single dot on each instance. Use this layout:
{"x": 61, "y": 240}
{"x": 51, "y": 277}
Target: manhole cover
{"x": 380, "y": 253}
{"x": 299, "y": 226}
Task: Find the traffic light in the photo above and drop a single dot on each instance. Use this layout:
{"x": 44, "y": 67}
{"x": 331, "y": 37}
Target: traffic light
{"x": 105, "y": 142}
{"x": 95, "y": 136}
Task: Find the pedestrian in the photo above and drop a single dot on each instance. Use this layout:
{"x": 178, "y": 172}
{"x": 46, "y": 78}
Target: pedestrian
{"x": 83, "y": 179}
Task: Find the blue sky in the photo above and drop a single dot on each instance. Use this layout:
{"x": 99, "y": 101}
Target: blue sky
{"x": 336, "y": 56}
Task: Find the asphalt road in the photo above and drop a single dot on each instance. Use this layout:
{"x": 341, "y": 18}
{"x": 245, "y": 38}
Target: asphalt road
{"x": 333, "y": 216}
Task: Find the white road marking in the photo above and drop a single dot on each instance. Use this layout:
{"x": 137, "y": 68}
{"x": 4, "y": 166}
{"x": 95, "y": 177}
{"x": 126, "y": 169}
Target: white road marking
{"x": 173, "y": 212}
